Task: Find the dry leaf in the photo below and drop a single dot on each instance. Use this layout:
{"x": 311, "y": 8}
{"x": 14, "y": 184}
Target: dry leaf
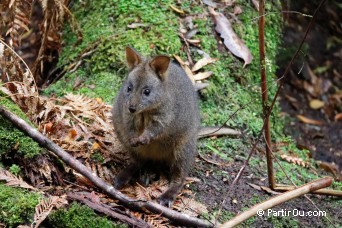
{"x": 99, "y": 100}
{"x": 95, "y": 146}
{"x": 257, "y": 187}
{"x": 71, "y": 135}
{"x": 136, "y": 25}
{"x": 268, "y": 190}
{"x": 156, "y": 220}
{"x": 237, "y": 10}
{"x": 179, "y": 60}
{"x": 48, "y": 127}
{"x": 202, "y": 75}
{"x": 329, "y": 167}
{"x": 293, "y": 101}
{"x": 256, "y": 4}
{"x": 308, "y": 120}
{"x": 316, "y": 104}
{"x": 201, "y": 63}
{"x": 189, "y": 34}
{"x": 230, "y": 39}
{"x": 264, "y": 188}
{"x": 211, "y": 3}
{"x": 185, "y": 68}
{"x": 338, "y": 116}
{"x": 194, "y": 42}
{"x": 199, "y": 86}
{"x": 176, "y": 9}
{"x": 82, "y": 180}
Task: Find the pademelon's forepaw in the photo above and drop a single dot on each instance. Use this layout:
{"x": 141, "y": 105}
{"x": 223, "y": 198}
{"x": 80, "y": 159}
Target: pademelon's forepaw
{"x": 141, "y": 140}
{"x": 166, "y": 199}
{"x": 119, "y": 183}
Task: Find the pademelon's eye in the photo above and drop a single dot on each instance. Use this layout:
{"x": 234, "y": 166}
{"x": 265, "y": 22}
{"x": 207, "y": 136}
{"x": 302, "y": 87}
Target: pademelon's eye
{"x": 129, "y": 88}
{"x": 147, "y": 92}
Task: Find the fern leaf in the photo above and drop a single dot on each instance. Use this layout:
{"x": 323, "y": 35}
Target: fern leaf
{"x": 45, "y": 206}
{"x": 12, "y": 180}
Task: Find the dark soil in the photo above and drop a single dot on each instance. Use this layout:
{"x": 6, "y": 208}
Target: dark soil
{"x": 214, "y": 184}
{"x": 323, "y": 50}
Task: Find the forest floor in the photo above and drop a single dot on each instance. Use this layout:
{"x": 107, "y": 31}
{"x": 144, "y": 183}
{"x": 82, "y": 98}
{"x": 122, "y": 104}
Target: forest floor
{"x": 231, "y": 88}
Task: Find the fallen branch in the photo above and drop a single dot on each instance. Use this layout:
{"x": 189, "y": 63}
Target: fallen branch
{"x": 98, "y": 182}
{"x": 132, "y": 221}
{"x": 262, "y": 207}
{"x": 217, "y": 131}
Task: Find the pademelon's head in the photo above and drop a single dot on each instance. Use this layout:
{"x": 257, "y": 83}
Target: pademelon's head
{"x": 145, "y": 87}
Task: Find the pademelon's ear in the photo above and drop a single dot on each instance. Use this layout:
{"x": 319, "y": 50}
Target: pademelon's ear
{"x": 133, "y": 58}
{"x": 160, "y": 64}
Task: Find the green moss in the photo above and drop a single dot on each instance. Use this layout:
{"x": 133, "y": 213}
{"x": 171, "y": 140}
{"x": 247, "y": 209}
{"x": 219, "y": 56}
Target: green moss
{"x": 97, "y": 157}
{"x": 12, "y": 139}
{"x": 78, "y": 216}
{"x": 107, "y": 23}
{"x": 15, "y": 169}
{"x": 17, "y": 206}
{"x": 283, "y": 221}
{"x": 224, "y": 216}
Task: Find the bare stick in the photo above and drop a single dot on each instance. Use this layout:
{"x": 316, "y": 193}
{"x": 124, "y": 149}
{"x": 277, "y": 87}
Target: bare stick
{"x": 133, "y": 221}
{"x": 264, "y": 94}
{"x": 262, "y": 207}
{"x": 98, "y": 182}
{"x": 329, "y": 192}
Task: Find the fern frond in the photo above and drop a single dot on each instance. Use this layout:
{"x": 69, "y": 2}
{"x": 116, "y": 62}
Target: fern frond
{"x": 14, "y": 181}
{"x": 45, "y": 206}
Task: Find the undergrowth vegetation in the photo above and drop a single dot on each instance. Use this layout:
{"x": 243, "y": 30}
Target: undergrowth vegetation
{"x": 13, "y": 140}
{"x": 17, "y": 205}
{"x": 80, "y": 216}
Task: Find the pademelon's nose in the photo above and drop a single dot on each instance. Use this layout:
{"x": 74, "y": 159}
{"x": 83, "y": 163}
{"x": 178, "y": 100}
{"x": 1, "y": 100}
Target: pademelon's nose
{"x": 132, "y": 109}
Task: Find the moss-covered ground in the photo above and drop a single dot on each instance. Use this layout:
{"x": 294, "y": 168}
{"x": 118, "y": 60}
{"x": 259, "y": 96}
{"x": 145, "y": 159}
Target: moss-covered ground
{"x": 79, "y": 216}
{"x": 13, "y": 140}
{"x": 17, "y": 206}
{"x": 232, "y": 87}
